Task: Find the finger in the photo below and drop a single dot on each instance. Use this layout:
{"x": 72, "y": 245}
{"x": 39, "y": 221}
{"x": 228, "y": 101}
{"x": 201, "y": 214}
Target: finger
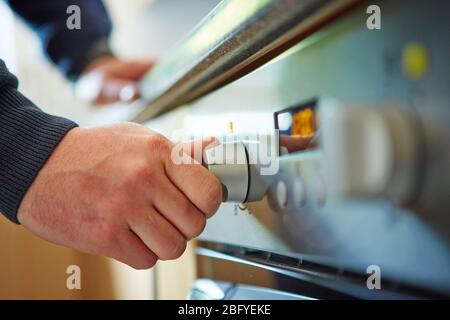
{"x": 178, "y": 210}
{"x": 129, "y": 92}
{"x": 114, "y": 90}
{"x": 134, "y": 70}
{"x": 134, "y": 252}
{"x": 195, "y": 148}
{"x": 157, "y": 233}
{"x": 293, "y": 143}
{"x": 201, "y": 187}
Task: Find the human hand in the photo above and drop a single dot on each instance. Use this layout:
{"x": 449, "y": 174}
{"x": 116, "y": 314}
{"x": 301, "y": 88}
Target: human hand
{"x": 297, "y": 143}
{"x": 109, "y": 79}
{"x": 116, "y": 191}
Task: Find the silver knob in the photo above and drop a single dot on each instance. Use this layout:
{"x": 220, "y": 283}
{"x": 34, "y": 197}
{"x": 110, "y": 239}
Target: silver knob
{"x": 371, "y": 151}
{"x": 229, "y": 163}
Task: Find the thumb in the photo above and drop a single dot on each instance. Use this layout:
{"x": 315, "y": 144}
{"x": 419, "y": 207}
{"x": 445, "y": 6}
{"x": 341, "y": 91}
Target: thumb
{"x": 99, "y": 90}
{"x": 114, "y": 90}
{"x": 194, "y": 149}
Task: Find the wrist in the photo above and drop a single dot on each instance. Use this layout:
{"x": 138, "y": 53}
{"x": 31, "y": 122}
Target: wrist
{"x": 98, "y": 52}
{"x": 60, "y": 156}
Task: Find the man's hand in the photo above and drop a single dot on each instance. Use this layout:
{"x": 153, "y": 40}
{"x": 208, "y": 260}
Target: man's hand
{"x": 109, "y": 79}
{"x": 116, "y": 191}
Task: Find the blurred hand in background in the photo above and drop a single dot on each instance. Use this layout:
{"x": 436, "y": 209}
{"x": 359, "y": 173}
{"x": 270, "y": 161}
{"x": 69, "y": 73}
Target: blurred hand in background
{"x": 109, "y": 79}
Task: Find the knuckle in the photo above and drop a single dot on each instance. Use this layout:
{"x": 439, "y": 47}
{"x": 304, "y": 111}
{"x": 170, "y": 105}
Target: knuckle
{"x": 150, "y": 219}
{"x": 140, "y": 172}
{"x": 197, "y": 226}
{"x": 160, "y": 144}
{"x": 175, "y": 249}
{"x": 213, "y": 197}
{"x": 145, "y": 175}
{"x": 196, "y": 220}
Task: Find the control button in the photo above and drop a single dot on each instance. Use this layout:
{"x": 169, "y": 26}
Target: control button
{"x": 415, "y": 60}
{"x": 298, "y": 192}
{"x": 281, "y": 194}
{"x": 371, "y": 151}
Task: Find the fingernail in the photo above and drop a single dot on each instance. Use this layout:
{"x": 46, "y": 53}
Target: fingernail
{"x": 127, "y": 93}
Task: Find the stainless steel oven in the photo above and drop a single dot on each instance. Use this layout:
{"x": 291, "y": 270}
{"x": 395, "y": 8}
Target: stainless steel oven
{"x": 371, "y": 196}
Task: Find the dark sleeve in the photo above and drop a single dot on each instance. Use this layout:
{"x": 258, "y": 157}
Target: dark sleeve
{"x": 27, "y": 138}
{"x": 70, "y": 50}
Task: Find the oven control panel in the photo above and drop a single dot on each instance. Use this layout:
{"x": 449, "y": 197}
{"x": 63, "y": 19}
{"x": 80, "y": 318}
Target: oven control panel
{"x": 354, "y": 151}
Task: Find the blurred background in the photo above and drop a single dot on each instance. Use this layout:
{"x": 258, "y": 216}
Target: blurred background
{"x": 31, "y": 268}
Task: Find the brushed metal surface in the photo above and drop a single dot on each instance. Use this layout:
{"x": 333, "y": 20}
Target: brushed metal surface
{"x": 234, "y": 39}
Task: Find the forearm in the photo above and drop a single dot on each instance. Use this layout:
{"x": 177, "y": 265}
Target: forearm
{"x": 27, "y": 138}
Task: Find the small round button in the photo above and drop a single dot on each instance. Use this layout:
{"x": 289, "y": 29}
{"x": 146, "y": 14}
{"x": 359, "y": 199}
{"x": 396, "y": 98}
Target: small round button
{"x": 298, "y": 192}
{"x": 281, "y": 194}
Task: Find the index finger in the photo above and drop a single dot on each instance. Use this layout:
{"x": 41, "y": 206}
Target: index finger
{"x": 199, "y": 185}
